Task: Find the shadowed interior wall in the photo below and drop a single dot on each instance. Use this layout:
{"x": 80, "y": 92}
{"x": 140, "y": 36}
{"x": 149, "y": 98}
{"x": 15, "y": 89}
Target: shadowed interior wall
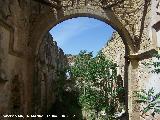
{"x": 49, "y": 62}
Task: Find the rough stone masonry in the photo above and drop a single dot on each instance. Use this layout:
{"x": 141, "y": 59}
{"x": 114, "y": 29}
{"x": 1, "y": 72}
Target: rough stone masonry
{"x": 24, "y": 23}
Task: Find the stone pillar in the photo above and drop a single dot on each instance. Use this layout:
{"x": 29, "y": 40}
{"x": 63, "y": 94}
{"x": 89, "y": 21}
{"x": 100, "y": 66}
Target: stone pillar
{"x": 134, "y": 109}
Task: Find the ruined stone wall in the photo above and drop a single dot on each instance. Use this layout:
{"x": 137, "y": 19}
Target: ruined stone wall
{"x": 144, "y": 77}
{"x": 14, "y": 76}
{"x": 23, "y": 21}
{"x": 19, "y": 81}
{"x": 115, "y": 51}
{"x": 142, "y": 19}
{"x": 136, "y": 16}
{"x": 49, "y": 62}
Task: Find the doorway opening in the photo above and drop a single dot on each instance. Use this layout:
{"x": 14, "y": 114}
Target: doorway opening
{"x": 91, "y": 42}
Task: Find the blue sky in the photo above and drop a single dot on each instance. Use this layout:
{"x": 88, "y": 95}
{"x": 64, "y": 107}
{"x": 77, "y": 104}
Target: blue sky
{"x": 81, "y": 33}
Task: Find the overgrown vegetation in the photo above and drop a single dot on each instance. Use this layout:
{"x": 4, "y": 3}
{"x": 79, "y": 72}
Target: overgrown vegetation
{"x": 156, "y": 64}
{"x": 89, "y": 89}
{"x": 95, "y": 80}
{"x": 66, "y": 99}
{"x": 149, "y": 99}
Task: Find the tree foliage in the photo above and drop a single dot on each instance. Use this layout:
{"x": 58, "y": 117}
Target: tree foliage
{"x": 95, "y": 80}
{"x": 157, "y": 64}
{"x": 149, "y": 99}
{"x": 154, "y": 64}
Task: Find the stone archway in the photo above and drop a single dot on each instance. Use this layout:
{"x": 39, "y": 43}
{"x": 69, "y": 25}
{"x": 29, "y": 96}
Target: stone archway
{"x": 23, "y": 23}
{"x": 50, "y": 18}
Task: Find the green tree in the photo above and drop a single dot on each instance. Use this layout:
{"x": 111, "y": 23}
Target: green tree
{"x": 95, "y": 79}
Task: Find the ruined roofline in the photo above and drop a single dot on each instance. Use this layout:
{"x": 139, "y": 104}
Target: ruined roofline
{"x": 114, "y": 36}
{"x": 54, "y": 43}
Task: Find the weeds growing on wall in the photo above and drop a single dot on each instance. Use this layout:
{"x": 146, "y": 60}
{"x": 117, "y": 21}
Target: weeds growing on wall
{"x": 149, "y": 99}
